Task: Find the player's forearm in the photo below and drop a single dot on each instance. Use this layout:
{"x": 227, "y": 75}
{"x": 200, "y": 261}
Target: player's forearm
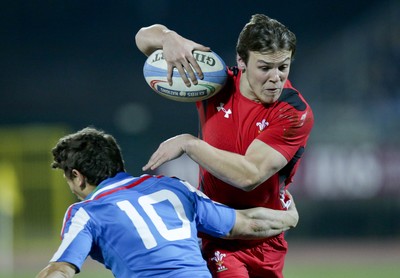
{"x": 232, "y": 168}
{"x": 262, "y": 223}
{"x": 275, "y": 219}
{"x": 148, "y": 39}
{"x": 57, "y": 270}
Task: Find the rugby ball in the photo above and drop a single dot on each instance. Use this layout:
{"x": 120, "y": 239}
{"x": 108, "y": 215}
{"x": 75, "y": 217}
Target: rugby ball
{"x": 214, "y": 71}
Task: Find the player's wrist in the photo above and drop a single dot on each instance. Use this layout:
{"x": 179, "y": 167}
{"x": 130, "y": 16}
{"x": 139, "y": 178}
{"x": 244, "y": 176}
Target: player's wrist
{"x": 168, "y": 36}
{"x": 190, "y": 143}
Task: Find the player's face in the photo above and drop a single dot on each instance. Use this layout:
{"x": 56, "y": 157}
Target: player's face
{"x": 264, "y": 75}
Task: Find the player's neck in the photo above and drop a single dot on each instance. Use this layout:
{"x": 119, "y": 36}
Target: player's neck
{"x": 245, "y": 88}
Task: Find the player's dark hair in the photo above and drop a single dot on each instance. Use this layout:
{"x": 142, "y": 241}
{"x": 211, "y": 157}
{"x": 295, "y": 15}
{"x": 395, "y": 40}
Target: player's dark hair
{"x": 265, "y": 35}
{"x": 90, "y": 151}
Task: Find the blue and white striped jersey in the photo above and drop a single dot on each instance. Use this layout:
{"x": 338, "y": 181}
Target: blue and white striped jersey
{"x": 143, "y": 227}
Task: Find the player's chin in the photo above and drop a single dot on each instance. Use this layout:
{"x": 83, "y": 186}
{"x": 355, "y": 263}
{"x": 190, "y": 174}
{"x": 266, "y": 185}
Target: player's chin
{"x": 269, "y": 98}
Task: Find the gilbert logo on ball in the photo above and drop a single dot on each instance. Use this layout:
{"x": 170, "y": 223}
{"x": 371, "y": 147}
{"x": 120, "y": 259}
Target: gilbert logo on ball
{"x": 214, "y": 71}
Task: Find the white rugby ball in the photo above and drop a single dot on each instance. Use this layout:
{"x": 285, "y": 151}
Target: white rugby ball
{"x": 214, "y": 71}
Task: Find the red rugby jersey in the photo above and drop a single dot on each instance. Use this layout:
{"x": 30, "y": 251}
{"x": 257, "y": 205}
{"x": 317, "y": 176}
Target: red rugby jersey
{"x": 230, "y": 122}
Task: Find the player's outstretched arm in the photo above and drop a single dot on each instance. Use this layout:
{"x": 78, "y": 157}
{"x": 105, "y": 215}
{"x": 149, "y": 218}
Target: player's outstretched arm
{"x": 263, "y": 222}
{"x": 57, "y": 270}
{"x": 245, "y": 172}
{"x": 178, "y": 51}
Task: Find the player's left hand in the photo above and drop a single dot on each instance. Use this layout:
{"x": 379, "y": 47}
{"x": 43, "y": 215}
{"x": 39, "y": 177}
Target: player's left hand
{"x": 292, "y": 208}
{"x": 168, "y": 150}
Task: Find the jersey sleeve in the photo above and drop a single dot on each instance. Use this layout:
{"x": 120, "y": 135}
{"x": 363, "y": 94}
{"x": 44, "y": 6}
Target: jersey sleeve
{"x": 213, "y": 218}
{"x": 76, "y": 239}
{"x": 290, "y": 129}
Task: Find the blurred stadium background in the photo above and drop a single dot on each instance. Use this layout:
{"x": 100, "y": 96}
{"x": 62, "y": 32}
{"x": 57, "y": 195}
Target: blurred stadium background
{"x": 70, "y": 64}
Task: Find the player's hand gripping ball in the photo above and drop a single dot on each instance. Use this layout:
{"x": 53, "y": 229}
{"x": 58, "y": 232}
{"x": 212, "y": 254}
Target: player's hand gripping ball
{"x": 214, "y": 71}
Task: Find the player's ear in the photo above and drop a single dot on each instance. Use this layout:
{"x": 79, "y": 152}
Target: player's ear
{"x": 79, "y": 177}
{"x": 241, "y": 64}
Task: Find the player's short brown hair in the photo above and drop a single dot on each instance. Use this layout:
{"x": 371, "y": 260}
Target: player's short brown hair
{"x": 263, "y": 34}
